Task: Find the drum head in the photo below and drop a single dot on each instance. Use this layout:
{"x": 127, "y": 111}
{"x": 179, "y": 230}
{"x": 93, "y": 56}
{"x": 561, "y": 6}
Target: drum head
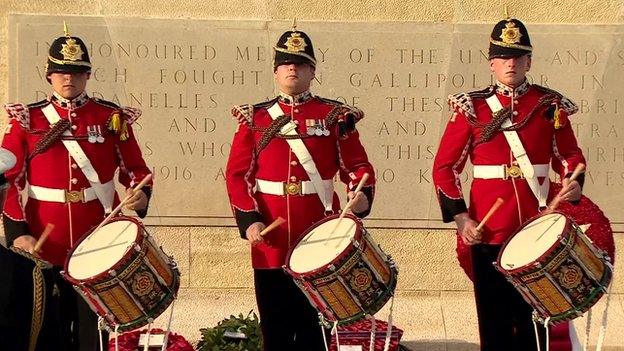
{"x": 101, "y": 250}
{"x": 320, "y": 246}
{"x": 532, "y": 241}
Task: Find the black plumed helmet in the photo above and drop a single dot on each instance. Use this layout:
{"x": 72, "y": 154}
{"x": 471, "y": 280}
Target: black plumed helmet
{"x": 68, "y": 54}
{"x": 294, "y": 47}
{"x": 509, "y": 38}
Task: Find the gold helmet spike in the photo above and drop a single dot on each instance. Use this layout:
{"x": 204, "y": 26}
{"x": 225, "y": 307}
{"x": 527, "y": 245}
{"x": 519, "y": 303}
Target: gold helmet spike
{"x": 65, "y": 29}
{"x": 294, "y": 25}
{"x": 507, "y": 12}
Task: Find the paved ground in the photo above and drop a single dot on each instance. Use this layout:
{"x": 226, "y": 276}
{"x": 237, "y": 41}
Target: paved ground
{"x": 444, "y": 321}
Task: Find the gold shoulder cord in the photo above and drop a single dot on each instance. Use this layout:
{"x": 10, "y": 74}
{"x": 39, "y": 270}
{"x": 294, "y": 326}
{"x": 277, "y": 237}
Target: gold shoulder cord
{"x": 39, "y": 296}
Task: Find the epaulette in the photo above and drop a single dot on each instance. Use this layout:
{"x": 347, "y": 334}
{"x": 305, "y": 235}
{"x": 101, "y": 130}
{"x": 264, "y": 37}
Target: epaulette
{"x": 20, "y": 113}
{"x": 568, "y": 105}
{"x": 265, "y": 104}
{"x": 330, "y": 101}
{"x": 244, "y": 113}
{"x": 129, "y": 114}
{"x": 462, "y": 102}
{"x": 342, "y": 115}
{"x": 106, "y": 103}
{"x": 347, "y": 110}
{"x": 39, "y": 103}
{"x": 120, "y": 118}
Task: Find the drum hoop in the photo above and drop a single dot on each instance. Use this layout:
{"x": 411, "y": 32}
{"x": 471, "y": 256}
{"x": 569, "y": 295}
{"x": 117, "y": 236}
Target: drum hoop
{"x": 358, "y": 237}
{"x": 551, "y": 251}
{"x": 138, "y": 240}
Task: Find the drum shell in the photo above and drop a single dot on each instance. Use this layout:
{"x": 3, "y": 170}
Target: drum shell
{"x": 566, "y": 280}
{"x": 136, "y": 289}
{"x": 357, "y": 282}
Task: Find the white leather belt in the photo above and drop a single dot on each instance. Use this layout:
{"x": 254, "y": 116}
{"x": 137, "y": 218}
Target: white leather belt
{"x": 61, "y": 195}
{"x": 504, "y": 171}
{"x": 304, "y": 187}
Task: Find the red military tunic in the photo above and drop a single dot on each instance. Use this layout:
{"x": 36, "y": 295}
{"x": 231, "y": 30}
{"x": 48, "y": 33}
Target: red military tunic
{"x": 545, "y": 133}
{"x": 108, "y": 149}
{"x": 336, "y": 150}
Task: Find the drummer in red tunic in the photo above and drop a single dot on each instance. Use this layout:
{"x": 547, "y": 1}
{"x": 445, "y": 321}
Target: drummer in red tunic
{"x": 512, "y": 132}
{"x": 284, "y": 157}
{"x": 68, "y": 148}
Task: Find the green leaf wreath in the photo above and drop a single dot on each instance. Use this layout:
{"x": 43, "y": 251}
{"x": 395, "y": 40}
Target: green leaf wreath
{"x": 233, "y": 334}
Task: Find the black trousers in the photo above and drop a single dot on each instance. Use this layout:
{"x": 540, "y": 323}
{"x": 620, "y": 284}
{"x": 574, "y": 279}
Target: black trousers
{"x": 505, "y": 319}
{"x": 68, "y": 322}
{"x": 79, "y": 324}
{"x": 288, "y": 321}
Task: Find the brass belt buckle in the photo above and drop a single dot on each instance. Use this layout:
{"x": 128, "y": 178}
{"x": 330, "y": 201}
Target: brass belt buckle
{"x": 513, "y": 172}
{"x": 292, "y": 188}
{"x": 74, "y": 196}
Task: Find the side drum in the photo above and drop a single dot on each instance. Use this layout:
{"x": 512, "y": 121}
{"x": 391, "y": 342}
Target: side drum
{"x": 341, "y": 270}
{"x": 124, "y": 276}
{"x": 555, "y": 267}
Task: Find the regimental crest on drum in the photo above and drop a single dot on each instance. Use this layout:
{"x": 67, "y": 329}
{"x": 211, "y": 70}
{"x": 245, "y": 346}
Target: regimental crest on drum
{"x": 143, "y": 286}
{"x": 361, "y": 279}
{"x": 570, "y": 276}
{"x": 574, "y": 281}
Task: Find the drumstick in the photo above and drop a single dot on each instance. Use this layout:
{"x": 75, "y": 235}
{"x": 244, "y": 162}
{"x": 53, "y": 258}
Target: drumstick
{"x": 44, "y": 236}
{"x": 555, "y": 202}
{"x": 349, "y": 204}
{"x": 493, "y": 209}
{"x": 276, "y": 223}
{"x": 125, "y": 199}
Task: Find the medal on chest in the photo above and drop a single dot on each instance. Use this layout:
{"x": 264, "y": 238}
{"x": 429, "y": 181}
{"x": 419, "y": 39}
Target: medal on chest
{"x": 94, "y": 134}
{"x": 316, "y": 127}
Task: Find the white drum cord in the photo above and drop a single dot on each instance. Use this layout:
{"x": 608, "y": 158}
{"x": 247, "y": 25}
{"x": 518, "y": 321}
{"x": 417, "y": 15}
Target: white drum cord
{"x": 166, "y": 338}
{"x": 603, "y": 326}
{"x": 334, "y": 331}
{"x": 546, "y": 329}
{"x": 147, "y": 337}
{"x": 389, "y": 330}
{"x": 100, "y": 327}
{"x": 116, "y": 337}
{"x": 536, "y": 332}
{"x": 322, "y": 323}
{"x": 371, "y": 342}
{"x": 587, "y": 328}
